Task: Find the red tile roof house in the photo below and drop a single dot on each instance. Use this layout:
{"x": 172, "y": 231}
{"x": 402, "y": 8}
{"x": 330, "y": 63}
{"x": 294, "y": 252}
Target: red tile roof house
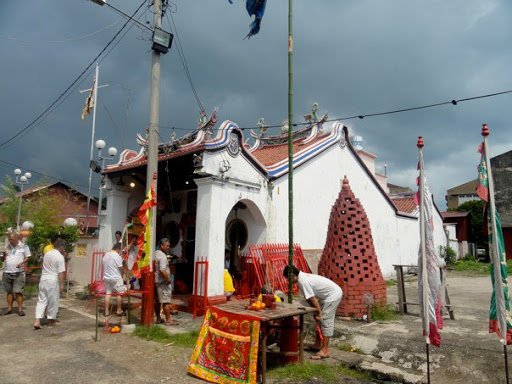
{"x": 462, "y": 221}
{"x": 217, "y": 192}
{"x": 74, "y": 203}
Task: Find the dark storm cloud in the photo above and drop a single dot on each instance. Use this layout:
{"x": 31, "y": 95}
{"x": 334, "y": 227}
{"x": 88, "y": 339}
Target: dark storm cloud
{"x": 353, "y": 57}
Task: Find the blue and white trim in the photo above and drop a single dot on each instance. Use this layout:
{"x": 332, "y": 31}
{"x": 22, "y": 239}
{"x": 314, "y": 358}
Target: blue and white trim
{"x": 301, "y": 157}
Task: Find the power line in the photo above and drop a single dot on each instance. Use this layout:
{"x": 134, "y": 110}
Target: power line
{"x": 61, "y": 41}
{"x": 183, "y": 60}
{"x": 39, "y": 119}
{"x": 453, "y": 102}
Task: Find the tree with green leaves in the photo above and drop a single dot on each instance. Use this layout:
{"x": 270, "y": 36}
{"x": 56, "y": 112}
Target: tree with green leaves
{"x": 45, "y": 209}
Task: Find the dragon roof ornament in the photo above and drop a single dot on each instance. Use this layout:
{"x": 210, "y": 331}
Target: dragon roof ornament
{"x": 203, "y": 132}
{"x": 312, "y": 129}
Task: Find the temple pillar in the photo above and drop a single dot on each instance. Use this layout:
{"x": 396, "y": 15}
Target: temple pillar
{"x": 210, "y": 233}
{"x": 113, "y": 218}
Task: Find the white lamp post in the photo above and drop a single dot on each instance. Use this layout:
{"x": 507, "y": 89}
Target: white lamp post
{"x": 112, "y": 151}
{"x": 22, "y": 181}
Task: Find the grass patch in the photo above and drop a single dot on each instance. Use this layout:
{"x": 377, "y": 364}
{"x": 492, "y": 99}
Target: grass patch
{"x": 349, "y": 348}
{"x": 311, "y": 371}
{"x": 382, "y": 312}
{"x": 159, "y": 334}
{"x": 346, "y": 371}
{"x": 473, "y": 267}
{"x": 390, "y": 283}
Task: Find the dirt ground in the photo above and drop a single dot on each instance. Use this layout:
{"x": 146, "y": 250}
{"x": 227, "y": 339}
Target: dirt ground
{"x": 69, "y": 354}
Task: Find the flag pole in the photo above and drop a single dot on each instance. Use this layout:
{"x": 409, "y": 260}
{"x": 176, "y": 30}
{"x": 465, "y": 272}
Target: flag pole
{"x": 95, "y": 95}
{"x": 495, "y": 252}
{"x": 290, "y": 151}
{"x": 424, "y": 274}
{"x": 506, "y": 361}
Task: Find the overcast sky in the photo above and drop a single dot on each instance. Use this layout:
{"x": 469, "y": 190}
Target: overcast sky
{"x": 353, "y": 57}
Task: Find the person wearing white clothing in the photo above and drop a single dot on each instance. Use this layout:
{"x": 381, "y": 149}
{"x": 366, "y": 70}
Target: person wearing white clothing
{"x": 51, "y": 284}
{"x": 13, "y": 278}
{"x": 324, "y": 295}
{"x": 133, "y": 251}
{"x": 113, "y": 270}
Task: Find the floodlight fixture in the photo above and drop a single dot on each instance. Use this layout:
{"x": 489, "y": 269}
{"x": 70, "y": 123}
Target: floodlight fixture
{"x": 95, "y": 166}
{"x": 162, "y": 40}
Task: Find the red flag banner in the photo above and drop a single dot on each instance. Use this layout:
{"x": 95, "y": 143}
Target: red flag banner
{"x": 144, "y": 240}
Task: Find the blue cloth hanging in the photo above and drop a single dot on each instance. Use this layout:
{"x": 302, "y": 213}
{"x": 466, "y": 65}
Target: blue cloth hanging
{"x": 256, "y": 8}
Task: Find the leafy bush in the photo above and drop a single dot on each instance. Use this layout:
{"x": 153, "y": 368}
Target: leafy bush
{"x": 469, "y": 257}
{"x": 448, "y": 254}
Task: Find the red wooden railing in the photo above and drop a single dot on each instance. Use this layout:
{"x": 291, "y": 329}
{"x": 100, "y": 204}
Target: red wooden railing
{"x": 200, "y": 295}
{"x": 96, "y": 268}
{"x": 273, "y": 258}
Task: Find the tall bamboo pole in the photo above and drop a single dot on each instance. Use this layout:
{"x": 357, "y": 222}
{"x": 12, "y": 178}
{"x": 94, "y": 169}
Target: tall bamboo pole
{"x": 290, "y": 151}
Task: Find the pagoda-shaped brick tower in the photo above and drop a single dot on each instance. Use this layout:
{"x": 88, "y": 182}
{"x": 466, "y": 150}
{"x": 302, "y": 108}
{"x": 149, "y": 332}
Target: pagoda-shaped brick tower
{"x": 349, "y": 257}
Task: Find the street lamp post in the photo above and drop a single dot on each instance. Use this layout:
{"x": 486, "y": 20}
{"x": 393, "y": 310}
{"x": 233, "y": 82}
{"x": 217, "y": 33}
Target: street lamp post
{"x": 22, "y": 181}
{"x": 112, "y": 151}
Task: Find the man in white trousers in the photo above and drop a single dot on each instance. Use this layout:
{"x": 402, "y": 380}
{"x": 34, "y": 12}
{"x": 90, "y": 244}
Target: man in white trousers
{"x": 51, "y": 284}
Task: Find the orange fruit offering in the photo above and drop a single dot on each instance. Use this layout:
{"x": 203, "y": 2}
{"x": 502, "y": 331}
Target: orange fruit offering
{"x": 262, "y": 305}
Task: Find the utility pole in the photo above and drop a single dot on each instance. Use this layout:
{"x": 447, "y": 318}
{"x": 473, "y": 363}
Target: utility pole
{"x": 154, "y": 120}
{"x": 152, "y": 157}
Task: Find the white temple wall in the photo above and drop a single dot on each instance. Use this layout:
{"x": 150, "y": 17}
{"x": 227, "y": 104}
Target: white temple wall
{"x": 317, "y": 184}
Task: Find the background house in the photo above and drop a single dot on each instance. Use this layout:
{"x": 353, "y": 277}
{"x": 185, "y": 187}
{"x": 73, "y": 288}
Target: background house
{"x": 501, "y": 166}
{"x": 462, "y": 223}
{"x": 70, "y": 203}
{"x": 460, "y": 194}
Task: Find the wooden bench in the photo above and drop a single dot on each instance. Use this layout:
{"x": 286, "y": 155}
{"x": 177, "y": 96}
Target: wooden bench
{"x": 402, "y": 300}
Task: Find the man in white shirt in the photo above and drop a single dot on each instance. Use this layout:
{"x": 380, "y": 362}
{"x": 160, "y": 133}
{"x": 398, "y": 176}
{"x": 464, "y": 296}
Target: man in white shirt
{"x": 113, "y": 270}
{"x": 133, "y": 251}
{"x": 163, "y": 281}
{"x": 13, "y": 278}
{"x": 325, "y": 295}
{"x": 51, "y": 284}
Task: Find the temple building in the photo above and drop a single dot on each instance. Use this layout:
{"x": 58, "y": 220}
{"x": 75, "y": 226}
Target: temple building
{"x": 215, "y": 191}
